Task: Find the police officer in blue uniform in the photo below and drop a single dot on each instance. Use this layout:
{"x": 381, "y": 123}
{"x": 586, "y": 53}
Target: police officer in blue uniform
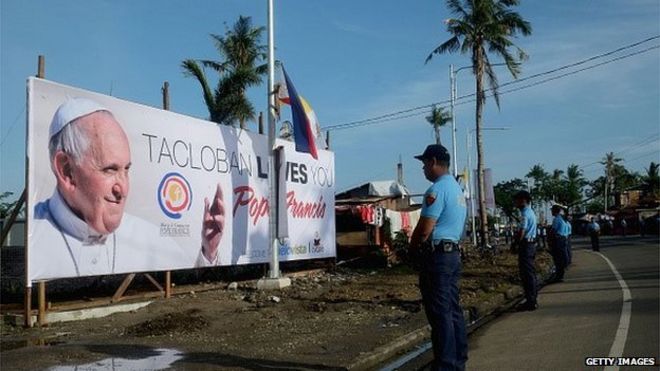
{"x": 526, "y": 242}
{"x": 559, "y": 247}
{"x": 436, "y": 239}
{"x": 569, "y": 246}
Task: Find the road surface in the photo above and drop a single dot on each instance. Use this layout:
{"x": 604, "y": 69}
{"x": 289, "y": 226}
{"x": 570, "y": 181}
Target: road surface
{"x": 585, "y": 316}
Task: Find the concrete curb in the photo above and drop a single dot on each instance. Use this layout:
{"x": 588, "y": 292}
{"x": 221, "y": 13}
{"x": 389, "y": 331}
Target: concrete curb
{"x": 80, "y": 314}
{"x": 372, "y": 359}
{"x": 376, "y": 357}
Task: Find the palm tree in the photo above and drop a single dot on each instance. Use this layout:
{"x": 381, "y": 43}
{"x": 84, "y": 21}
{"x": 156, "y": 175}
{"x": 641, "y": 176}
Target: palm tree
{"x": 438, "y": 118}
{"x": 540, "y": 177}
{"x": 652, "y": 180}
{"x": 575, "y": 183}
{"x": 480, "y": 27}
{"x": 610, "y": 161}
{"x": 241, "y": 67}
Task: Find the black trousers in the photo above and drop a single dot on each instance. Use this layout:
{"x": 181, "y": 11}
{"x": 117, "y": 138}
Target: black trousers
{"x": 438, "y": 282}
{"x": 595, "y": 243}
{"x": 526, "y": 255}
{"x": 560, "y": 255}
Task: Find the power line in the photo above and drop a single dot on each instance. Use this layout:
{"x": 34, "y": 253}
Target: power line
{"x": 643, "y": 142}
{"x": 570, "y": 65}
{"x": 654, "y": 152}
{"x": 11, "y": 126}
{"x": 389, "y": 117}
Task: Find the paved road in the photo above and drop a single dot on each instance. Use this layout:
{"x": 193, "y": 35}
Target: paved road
{"x": 580, "y": 317}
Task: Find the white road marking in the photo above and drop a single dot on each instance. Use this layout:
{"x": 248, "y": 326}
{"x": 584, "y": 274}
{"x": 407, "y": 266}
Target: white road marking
{"x": 624, "y": 321}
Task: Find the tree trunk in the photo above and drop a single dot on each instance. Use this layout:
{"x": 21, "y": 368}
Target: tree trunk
{"x": 483, "y": 227}
{"x": 437, "y": 134}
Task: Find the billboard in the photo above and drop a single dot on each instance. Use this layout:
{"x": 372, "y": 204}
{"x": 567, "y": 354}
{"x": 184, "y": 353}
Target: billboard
{"x": 119, "y": 187}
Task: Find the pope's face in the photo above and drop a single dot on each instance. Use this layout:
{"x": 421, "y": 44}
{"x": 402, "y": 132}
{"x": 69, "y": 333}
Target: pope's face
{"x": 100, "y": 179}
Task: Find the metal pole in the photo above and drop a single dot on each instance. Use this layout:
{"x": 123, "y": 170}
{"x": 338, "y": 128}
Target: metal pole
{"x": 469, "y": 162}
{"x": 272, "y": 199}
{"x": 452, "y": 96}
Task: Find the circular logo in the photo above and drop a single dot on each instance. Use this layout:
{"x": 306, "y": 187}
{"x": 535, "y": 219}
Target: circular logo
{"x": 174, "y": 195}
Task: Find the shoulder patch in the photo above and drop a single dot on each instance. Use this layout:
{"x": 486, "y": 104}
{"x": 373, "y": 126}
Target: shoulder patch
{"x": 429, "y": 198}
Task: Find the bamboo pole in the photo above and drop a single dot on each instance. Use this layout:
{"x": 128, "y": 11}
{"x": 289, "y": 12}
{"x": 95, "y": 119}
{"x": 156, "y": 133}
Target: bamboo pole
{"x": 27, "y": 306}
{"x": 166, "y": 106}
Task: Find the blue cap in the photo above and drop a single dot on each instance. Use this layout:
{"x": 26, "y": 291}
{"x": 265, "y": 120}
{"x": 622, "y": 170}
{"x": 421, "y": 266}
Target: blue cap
{"x": 434, "y": 151}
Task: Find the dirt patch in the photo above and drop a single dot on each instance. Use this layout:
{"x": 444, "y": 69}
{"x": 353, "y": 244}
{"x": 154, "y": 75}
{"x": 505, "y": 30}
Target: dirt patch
{"x": 327, "y": 319}
{"x": 187, "y": 322}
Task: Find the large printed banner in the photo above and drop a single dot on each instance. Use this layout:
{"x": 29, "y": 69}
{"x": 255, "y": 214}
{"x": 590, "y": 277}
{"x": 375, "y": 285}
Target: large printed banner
{"x": 118, "y": 187}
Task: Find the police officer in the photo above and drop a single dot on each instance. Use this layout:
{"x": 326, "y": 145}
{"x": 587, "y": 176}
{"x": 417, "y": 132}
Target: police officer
{"x": 436, "y": 238}
{"x": 594, "y": 233}
{"x": 559, "y": 246}
{"x": 526, "y": 241}
{"x": 569, "y": 245}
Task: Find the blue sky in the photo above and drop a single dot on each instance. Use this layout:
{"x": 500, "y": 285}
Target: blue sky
{"x": 354, "y": 60}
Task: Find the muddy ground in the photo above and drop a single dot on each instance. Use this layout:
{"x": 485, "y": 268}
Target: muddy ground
{"x": 323, "y": 321}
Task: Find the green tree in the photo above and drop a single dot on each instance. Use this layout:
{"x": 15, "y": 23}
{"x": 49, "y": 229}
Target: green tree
{"x": 610, "y": 161}
{"x": 241, "y": 67}
{"x": 539, "y": 177}
{"x": 652, "y": 180}
{"x": 555, "y": 185}
{"x": 504, "y": 192}
{"x": 481, "y": 27}
{"x": 438, "y": 118}
{"x": 574, "y": 183}
{"x": 6, "y": 206}
{"x": 620, "y": 179}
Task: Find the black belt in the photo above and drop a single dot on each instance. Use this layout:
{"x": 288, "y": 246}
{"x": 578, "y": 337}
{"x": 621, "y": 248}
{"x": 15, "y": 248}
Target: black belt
{"x": 443, "y": 246}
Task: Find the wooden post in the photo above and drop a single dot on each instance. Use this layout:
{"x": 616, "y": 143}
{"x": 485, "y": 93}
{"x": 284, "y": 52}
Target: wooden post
{"x": 41, "y": 317}
{"x": 261, "y": 123}
{"x": 327, "y": 139}
{"x": 166, "y": 96}
{"x": 122, "y": 288}
{"x": 168, "y": 285}
{"x": 166, "y": 106}
{"x": 27, "y": 305}
{"x": 41, "y": 67}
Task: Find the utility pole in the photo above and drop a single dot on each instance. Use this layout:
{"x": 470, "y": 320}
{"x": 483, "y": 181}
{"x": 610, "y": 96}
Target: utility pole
{"x": 274, "y": 279}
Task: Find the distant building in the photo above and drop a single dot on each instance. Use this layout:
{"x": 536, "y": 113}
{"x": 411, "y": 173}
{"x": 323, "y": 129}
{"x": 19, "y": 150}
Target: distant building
{"x": 389, "y": 194}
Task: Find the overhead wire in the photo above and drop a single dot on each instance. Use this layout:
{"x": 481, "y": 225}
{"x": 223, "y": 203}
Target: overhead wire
{"x": 400, "y": 114}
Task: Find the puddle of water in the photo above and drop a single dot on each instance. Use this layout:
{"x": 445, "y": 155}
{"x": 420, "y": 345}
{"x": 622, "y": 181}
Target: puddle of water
{"x": 160, "y": 361}
{"x": 15, "y": 344}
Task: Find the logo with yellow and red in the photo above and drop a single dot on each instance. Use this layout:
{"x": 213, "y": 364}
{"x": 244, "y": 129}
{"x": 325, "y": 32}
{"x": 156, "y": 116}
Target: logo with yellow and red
{"x": 174, "y": 195}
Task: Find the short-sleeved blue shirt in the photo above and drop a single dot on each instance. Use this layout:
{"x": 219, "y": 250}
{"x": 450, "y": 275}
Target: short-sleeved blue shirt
{"x": 560, "y": 226}
{"x": 528, "y": 223}
{"x": 444, "y": 201}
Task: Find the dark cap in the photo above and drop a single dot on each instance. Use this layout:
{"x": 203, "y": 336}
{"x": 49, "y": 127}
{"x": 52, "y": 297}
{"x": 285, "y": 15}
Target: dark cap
{"x": 435, "y": 151}
{"x": 523, "y": 195}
